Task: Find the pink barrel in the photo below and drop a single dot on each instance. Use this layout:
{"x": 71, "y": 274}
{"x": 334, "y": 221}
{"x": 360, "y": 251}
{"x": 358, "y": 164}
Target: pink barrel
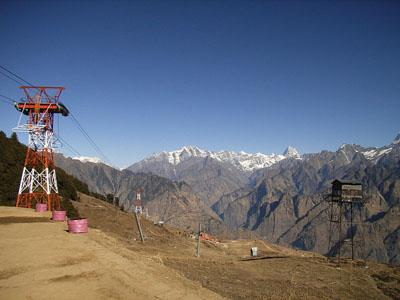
{"x": 78, "y": 226}
{"x": 58, "y": 215}
{"x": 41, "y": 207}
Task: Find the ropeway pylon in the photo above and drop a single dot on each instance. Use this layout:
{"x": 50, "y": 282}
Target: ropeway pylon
{"x": 38, "y": 181}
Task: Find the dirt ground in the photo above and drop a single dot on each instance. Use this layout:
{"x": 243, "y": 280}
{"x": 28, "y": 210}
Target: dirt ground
{"x": 40, "y": 260}
{"x": 225, "y": 268}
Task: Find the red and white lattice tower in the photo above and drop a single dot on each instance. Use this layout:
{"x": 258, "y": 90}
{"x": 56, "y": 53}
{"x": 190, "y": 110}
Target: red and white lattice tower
{"x": 138, "y": 201}
{"x": 38, "y": 181}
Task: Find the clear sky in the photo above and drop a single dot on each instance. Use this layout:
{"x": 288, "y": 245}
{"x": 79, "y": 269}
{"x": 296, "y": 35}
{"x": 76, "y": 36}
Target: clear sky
{"x": 147, "y": 76}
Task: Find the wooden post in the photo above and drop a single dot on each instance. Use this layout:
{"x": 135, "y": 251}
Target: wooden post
{"x": 352, "y": 231}
{"x": 198, "y": 242}
{"x": 139, "y": 227}
{"x": 340, "y": 230}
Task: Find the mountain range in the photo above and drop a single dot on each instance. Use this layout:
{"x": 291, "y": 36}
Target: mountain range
{"x": 285, "y": 203}
{"x": 165, "y": 200}
{"x": 211, "y": 174}
{"x": 242, "y": 161}
{"x": 279, "y": 197}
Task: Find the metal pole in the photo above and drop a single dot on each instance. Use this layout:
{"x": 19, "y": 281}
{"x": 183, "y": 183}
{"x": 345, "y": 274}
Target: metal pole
{"x": 198, "y": 242}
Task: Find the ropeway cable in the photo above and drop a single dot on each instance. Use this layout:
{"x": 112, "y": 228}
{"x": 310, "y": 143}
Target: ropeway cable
{"x": 22, "y": 81}
{"x": 7, "y": 99}
{"x": 15, "y": 75}
{"x": 84, "y": 132}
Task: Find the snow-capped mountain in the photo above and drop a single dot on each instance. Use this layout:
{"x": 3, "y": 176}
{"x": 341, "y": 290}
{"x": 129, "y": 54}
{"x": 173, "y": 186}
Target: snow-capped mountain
{"x": 84, "y": 159}
{"x": 94, "y": 160}
{"x": 292, "y": 152}
{"x": 243, "y": 161}
{"x": 376, "y": 153}
{"x": 264, "y": 207}
{"x": 371, "y": 153}
{"x": 396, "y": 139}
{"x": 210, "y": 173}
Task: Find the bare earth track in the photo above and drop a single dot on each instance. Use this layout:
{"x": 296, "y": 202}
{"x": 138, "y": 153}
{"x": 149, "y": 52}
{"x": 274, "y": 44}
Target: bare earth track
{"x": 40, "y": 260}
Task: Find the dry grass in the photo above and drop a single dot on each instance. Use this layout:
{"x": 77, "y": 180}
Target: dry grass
{"x": 225, "y": 269}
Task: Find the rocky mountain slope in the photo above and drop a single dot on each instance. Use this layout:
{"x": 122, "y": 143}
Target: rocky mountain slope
{"x": 283, "y": 202}
{"x": 210, "y": 174}
{"x": 172, "y": 202}
{"x": 286, "y": 202}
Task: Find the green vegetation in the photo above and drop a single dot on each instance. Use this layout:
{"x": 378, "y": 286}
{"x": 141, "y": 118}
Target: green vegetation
{"x": 12, "y": 155}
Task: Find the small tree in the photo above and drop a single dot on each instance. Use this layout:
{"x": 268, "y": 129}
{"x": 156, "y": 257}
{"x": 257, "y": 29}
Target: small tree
{"x": 110, "y": 198}
{"x": 14, "y": 137}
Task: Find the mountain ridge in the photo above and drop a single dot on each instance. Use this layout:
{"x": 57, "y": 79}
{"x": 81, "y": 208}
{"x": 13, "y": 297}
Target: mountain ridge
{"x": 282, "y": 202}
{"x": 172, "y": 202}
{"x": 243, "y": 161}
{"x": 285, "y": 204}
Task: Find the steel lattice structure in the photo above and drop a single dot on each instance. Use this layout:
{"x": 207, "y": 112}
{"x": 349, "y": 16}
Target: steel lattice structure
{"x": 39, "y": 181}
{"x": 138, "y": 201}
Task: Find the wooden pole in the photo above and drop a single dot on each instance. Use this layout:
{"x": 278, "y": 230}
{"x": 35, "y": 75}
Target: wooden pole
{"x": 139, "y": 227}
{"x": 340, "y": 230}
{"x": 352, "y": 231}
{"x": 198, "y": 242}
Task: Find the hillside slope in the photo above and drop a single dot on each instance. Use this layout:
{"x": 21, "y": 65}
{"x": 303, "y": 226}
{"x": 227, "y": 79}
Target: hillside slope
{"x": 40, "y": 260}
{"x": 165, "y": 200}
{"x": 12, "y": 156}
{"x": 211, "y": 174}
{"x": 208, "y": 177}
{"x": 286, "y": 204}
{"x": 225, "y": 267}
{"x": 172, "y": 202}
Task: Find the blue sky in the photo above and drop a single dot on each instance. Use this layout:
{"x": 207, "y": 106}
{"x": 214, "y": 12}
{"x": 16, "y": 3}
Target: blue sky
{"x": 147, "y": 76}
